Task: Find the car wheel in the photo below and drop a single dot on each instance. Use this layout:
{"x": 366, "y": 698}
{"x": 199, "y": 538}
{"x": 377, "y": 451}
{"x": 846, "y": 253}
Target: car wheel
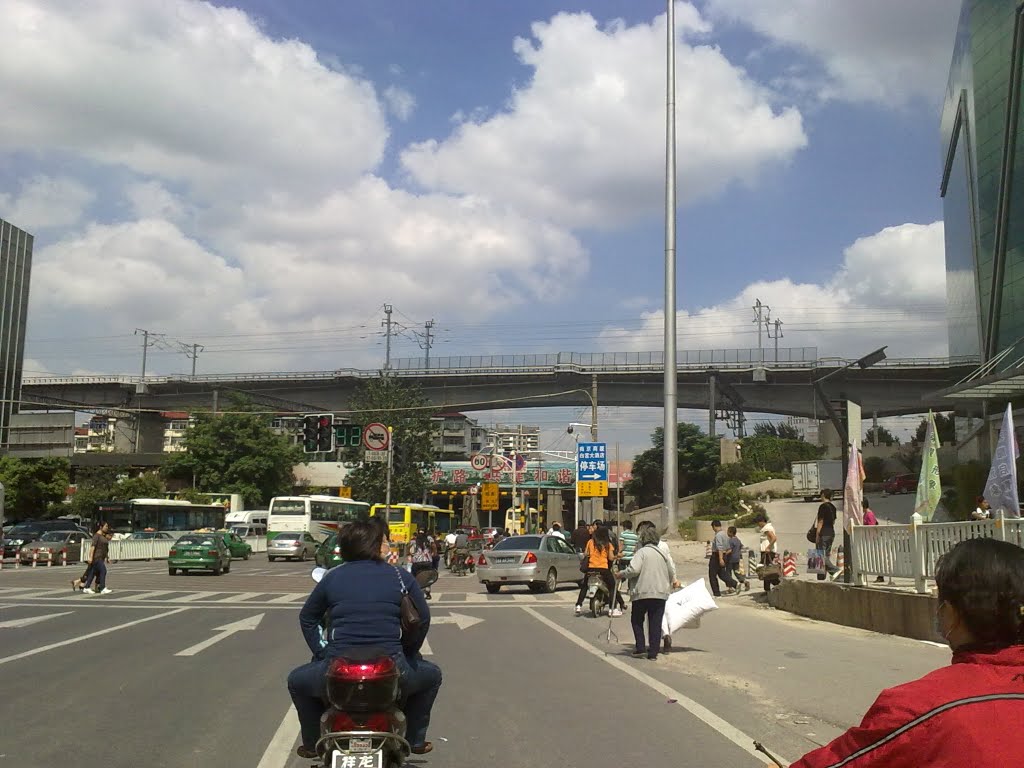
{"x": 172, "y": 571}
{"x": 302, "y": 556}
{"x": 551, "y": 583}
{"x": 216, "y": 570}
{"x": 227, "y": 568}
{"x": 271, "y": 559}
{"x": 245, "y": 556}
{"x": 493, "y": 588}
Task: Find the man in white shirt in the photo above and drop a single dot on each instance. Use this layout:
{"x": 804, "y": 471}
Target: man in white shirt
{"x": 556, "y": 530}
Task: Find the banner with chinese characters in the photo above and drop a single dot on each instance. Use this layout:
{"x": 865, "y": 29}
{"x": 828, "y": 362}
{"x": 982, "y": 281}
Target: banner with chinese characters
{"x": 459, "y": 474}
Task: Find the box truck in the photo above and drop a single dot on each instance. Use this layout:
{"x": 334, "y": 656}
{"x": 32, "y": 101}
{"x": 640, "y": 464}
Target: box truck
{"x": 810, "y": 478}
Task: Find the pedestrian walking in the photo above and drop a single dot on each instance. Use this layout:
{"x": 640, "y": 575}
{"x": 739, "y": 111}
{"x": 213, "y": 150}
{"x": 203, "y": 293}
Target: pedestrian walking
{"x": 652, "y": 578}
{"x": 556, "y": 530}
{"x": 825, "y": 524}
{"x": 628, "y": 541}
{"x": 736, "y": 558}
{"x": 983, "y": 511}
{"x": 870, "y": 519}
{"x": 98, "y": 562}
{"x": 769, "y": 545}
{"x": 718, "y": 567}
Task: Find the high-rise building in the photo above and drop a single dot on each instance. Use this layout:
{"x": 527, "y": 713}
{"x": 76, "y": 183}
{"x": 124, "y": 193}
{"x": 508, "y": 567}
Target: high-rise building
{"x": 15, "y": 271}
{"x": 520, "y": 438}
{"x": 983, "y": 181}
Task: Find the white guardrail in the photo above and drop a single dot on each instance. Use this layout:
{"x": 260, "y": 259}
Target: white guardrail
{"x": 912, "y": 551}
{"x": 154, "y": 549}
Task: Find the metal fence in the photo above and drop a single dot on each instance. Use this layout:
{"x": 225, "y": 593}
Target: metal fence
{"x": 154, "y": 549}
{"x": 912, "y": 551}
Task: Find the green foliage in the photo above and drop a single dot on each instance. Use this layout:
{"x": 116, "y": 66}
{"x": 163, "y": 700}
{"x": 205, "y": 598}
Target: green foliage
{"x": 724, "y": 501}
{"x": 775, "y": 455}
{"x": 944, "y": 426}
{"x": 236, "y": 452}
{"x": 33, "y": 488}
{"x": 874, "y": 469}
{"x": 404, "y": 408}
{"x": 783, "y": 430}
{"x": 697, "y": 462}
{"x": 743, "y": 473}
{"x": 885, "y": 437}
{"x": 968, "y": 483}
{"x": 191, "y": 495}
{"x": 98, "y": 484}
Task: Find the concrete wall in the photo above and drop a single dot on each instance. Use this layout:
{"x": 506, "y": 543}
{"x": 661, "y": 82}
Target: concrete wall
{"x": 890, "y": 612}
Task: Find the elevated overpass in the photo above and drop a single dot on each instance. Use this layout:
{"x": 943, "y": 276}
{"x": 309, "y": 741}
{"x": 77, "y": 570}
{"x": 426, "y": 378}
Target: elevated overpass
{"x": 733, "y": 379}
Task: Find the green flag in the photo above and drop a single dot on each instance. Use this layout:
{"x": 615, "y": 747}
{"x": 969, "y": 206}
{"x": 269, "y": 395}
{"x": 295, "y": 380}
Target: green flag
{"x": 929, "y": 489}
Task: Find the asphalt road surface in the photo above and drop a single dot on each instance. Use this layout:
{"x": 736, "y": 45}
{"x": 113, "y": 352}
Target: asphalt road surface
{"x": 188, "y": 671}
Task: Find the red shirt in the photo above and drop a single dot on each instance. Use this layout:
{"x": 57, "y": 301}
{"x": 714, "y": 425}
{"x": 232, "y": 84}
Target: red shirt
{"x": 968, "y": 713}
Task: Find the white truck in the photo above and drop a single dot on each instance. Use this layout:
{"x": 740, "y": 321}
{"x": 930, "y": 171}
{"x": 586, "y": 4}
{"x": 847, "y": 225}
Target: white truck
{"x": 810, "y": 478}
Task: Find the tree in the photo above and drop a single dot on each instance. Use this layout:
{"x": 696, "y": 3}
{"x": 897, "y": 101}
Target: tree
{"x": 405, "y": 409}
{"x": 236, "y": 452}
{"x": 698, "y": 457}
{"x": 885, "y": 437}
{"x": 874, "y": 469}
{"x": 97, "y": 484}
{"x": 765, "y": 429}
{"x": 775, "y": 454}
{"x": 783, "y": 430}
{"x": 944, "y": 425}
{"x": 33, "y": 488}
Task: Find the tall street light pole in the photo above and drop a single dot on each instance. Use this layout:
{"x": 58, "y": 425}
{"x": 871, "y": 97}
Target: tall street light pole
{"x": 671, "y": 460}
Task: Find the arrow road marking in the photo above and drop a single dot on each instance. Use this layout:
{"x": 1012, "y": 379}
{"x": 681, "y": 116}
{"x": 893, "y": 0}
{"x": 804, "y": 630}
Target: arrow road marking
{"x": 16, "y": 623}
{"x": 460, "y": 620}
{"x": 223, "y": 633}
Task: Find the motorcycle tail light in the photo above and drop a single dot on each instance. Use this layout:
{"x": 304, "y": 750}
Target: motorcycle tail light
{"x": 362, "y": 685}
{"x": 530, "y": 558}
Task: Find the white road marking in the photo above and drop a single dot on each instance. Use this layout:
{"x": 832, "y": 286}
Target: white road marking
{"x": 89, "y": 636}
{"x": 43, "y": 593}
{"x": 702, "y": 713}
{"x": 223, "y": 633}
{"x": 458, "y": 619}
{"x": 425, "y": 649}
{"x": 15, "y": 623}
{"x": 194, "y": 596}
{"x": 937, "y": 645}
{"x": 279, "y": 750}
{"x": 147, "y": 595}
{"x": 291, "y": 597}
{"x": 239, "y": 597}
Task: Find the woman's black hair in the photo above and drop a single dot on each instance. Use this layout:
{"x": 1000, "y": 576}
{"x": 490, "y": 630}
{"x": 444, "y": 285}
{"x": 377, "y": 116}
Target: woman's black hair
{"x": 761, "y": 517}
{"x": 380, "y": 522}
{"x": 984, "y": 580}
{"x": 421, "y": 539}
{"x": 360, "y": 541}
{"x": 602, "y": 539}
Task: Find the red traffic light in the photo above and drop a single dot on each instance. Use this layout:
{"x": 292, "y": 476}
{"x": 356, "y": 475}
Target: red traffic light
{"x": 325, "y": 421}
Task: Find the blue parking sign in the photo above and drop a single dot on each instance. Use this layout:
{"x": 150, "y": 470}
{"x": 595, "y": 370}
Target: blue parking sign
{"x": 592, "y": 461}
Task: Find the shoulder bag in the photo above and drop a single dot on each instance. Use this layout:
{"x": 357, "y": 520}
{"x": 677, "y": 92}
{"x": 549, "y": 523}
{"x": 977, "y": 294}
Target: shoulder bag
{"x": 812, "y": 533}
{"x": 408, "y": 613}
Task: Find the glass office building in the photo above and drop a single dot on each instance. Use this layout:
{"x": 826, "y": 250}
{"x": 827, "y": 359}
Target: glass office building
{"x": 15, "y": 271}
{"x": 983, "y": 181}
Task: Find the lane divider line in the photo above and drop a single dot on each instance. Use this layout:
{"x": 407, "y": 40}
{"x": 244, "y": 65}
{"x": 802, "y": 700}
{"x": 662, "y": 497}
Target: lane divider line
{"x": 279, "y": 750}
{"x": 702, "y": 713}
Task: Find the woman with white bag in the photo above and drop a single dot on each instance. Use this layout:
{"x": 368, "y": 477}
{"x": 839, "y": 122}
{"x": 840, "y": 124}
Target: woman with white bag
{"x": 652, "y": 577}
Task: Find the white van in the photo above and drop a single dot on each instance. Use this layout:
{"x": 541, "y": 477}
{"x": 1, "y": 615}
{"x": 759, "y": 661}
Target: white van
{"x": 251, "y": 522}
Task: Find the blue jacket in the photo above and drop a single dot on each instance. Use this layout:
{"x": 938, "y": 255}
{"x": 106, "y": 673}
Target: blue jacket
{"x": 361, "y": 601}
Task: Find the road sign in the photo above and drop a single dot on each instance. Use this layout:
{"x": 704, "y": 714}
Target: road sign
{"x": 489, "y": 497}
{"x": 520, "y": 462}
{"x": 375, "y": 455}
{"x": 376, "y": 437}
{"x": 480, "y": 461}
{"x": 345, "y": 492}
{"x": 473, "y": 490}
{"x": 592, "y": 463}
{"x": 592, "y": 488}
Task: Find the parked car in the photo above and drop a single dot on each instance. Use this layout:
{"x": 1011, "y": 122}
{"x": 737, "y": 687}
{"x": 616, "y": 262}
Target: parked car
{"x": 145, "y": 535}
{"x": 540, "y": 562}
{"x": 199, "y": 552}
{"x": 29, "y": 531}
{"x": 236, "y": 546}
{"x": 328, "y": 554}
{"x": 901, "y": 484}
{"x": 292, "y": 546}
{"x": 51, "y": 545}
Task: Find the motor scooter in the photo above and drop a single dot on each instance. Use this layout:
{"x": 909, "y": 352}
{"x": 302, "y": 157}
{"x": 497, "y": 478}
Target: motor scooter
{"x": 364, "y": 726}
{"x": 597, "y": 593}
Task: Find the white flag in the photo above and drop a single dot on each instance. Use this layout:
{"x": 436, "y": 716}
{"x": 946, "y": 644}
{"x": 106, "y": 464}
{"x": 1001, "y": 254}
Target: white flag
{"x": 1001, "y": 488}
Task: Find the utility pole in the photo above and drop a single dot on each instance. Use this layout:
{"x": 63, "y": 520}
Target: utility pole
{"x": 777, "y": 335}
{"x": 712, "y": 391}
{"x": 196, "y": 349}
{"x": 141, "y": 388}
{"x": 427, "y": 339}
{"x": 618, "y": 488}
{"x": 593, "y": 407}
{"x": 670, "y": 459}
{"x": 387, "y": 336}
{"x": 762, "y": 315}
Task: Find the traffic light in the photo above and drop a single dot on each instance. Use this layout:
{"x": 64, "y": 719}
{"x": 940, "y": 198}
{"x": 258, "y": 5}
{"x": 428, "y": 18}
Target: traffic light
{"x": 325, "y": 433}
{"x": 310, "y": 424}
{"x": 348, "y": 435}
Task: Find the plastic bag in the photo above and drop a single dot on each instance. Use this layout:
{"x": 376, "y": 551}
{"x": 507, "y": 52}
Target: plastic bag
{"x": 684, "y": 608}
{"x": 815, "y": 561}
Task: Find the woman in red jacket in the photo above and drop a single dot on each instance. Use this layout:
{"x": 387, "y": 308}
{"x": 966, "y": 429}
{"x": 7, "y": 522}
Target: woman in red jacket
{"x": 968, "y": 713}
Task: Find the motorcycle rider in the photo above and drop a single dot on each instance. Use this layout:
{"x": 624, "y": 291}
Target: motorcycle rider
{"x": 362, "y": 600}
{"x": 599, "y": 555}
{"x": 954, "y": 715}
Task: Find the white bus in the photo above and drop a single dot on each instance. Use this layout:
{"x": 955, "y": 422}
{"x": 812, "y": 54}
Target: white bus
{"x": 251, "y": 522}
{"x": 320, "y": 516}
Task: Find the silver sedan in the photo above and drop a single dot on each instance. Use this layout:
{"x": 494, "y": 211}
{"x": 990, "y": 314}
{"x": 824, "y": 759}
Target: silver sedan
{"x": 540, "y": 562}
{"x": 298, "y": 546}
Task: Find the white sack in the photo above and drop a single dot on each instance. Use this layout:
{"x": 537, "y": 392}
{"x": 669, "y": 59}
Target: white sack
{"x": 684, "y": 608}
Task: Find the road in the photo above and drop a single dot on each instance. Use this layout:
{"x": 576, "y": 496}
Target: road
{"x": 137, "y": 677}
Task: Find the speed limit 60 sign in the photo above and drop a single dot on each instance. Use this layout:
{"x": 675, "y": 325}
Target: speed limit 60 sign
{"x": 376, "y": 437}
{"x": 480, "y": 461}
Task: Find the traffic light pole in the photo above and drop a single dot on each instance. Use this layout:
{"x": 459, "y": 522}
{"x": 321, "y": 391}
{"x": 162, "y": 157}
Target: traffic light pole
{"x": 391, "y": 454}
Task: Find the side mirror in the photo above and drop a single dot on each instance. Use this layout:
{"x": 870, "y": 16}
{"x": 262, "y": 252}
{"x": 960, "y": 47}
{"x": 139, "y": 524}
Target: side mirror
{"x": 317, "y": 573}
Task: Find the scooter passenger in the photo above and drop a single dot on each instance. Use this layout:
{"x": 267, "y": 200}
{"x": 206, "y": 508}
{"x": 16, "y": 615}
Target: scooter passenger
{"x": 599, "y": 556}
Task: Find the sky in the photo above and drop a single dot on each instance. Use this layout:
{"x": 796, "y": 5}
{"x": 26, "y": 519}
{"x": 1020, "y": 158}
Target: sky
{"x": 260, "y": 178}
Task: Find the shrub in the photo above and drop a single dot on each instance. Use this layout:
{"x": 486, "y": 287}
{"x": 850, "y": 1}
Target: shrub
{"x": 968, "y": 483}
{"x": 874, "y": 469}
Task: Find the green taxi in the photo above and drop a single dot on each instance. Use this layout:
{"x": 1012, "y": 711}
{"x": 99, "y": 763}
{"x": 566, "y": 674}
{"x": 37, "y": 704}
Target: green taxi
{"x": 199, "y": 552}
{"x": 236, "y": 545}
{"x": 328, "y": 553}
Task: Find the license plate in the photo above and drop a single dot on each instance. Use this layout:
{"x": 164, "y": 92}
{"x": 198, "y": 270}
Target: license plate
{"x": 506, "y": 559}
{"x": 367, "y": 760}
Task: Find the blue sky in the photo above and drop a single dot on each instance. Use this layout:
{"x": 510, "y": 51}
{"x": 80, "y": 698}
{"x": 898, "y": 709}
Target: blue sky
{"x": 261, "y": 177}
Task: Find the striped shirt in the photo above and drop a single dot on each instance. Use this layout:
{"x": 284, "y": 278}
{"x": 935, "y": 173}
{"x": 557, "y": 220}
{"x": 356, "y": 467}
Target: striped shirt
{"x": 629, "y": 541}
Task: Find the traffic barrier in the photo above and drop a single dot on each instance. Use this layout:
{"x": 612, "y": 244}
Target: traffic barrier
{"x": 841, "y": 559}
{"x": 789, "y": 567}
{"x": 64, "y": 558}
{"x": 752, "y": 562}
{"x": 35, "y": 559}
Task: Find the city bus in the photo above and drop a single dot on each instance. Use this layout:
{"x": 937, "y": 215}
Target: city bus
{"x": 319, "y": 516}
{"x": 516, "y": 523}
{"x": 168, "y": 515}
{"x": 406, "y": 520}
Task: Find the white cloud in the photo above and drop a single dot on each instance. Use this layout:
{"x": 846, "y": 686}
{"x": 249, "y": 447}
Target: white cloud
{"x": 582, "y": 143}
{"x": 400, "y": 102}
{"x": 45, "y": 202}
{"x": 183, "y": 90}
{"x": 890, "y": 290}
{"x": 152, "y": 200}
{"x": 871, "y": 50}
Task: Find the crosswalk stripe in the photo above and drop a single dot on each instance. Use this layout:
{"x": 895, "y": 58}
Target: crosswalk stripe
{"x": 425, "y": 649}
{"x": 45, "y": 592}
{"x": 240, "y": 597}
{"x": 289, "y": 598}
{"x": 146, "y": 595}
{"x": 194, "y": 596}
